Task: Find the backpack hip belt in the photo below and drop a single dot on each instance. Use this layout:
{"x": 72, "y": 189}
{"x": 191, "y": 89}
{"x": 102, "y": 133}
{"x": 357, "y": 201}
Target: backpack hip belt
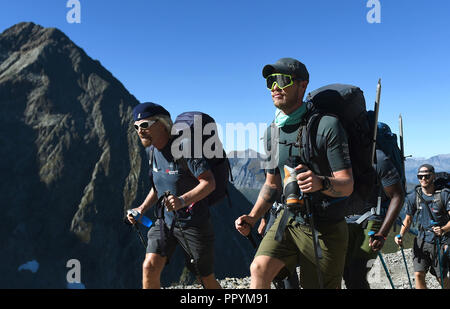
{"x": 289, "y": 215}
{"x": 366, "y": 215}
{"x": 276, "y": 208}
{"x": 373, "y": 211}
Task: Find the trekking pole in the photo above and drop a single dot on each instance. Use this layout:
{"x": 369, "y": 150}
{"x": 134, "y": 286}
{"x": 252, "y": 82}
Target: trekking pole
{"x": 317, "y": 249}
{"x": 402, "y": 146}
{"x": 371, "y": 234}
{"x": 136, "y": 227}
{"x": 404, "y": 260}
{"x": 250, "y": 236}
{"x": 252, "y": 240}
{"x": 439, "y": 255}
{"x": 315, "y": 237}
{"x": 141, "y": 237}
{"x": 187, "y": 249}
{"x": 376, "y": 111}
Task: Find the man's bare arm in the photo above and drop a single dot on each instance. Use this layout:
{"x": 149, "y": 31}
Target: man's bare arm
{"x": 269, "y": 193}
{"x": 341, "y": 182}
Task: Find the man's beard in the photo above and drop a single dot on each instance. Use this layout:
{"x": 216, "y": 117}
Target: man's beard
{"x": 285, "y": 105}
{"x": 146, "y": 142}
{"x": 428, "y": 186}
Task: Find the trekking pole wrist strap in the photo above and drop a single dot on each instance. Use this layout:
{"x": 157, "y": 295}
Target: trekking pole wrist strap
{"x": 183, "y": 202}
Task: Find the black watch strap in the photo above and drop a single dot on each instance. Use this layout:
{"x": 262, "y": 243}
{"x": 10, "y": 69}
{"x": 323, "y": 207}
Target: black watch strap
{"x": 326, "y": 184}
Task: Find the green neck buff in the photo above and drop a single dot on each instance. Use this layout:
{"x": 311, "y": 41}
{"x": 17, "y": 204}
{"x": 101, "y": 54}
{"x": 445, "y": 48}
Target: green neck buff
{"x": 281, "y": 119}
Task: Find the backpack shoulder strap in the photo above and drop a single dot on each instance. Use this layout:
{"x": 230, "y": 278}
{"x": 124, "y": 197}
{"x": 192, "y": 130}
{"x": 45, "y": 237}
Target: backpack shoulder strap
{"x": 150, "y": 151}
{"x": 304, "y": 136}
{"x": 439, "y": 200}
{"x": 419, "y": 198}
{"x": 268, "y": 136}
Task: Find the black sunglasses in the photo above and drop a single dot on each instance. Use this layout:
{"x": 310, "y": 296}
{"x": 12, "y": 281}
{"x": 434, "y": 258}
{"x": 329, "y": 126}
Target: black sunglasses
{"x": 426, "y": 176}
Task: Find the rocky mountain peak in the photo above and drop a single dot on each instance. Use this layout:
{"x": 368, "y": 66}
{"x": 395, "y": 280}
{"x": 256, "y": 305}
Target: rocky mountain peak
{"x": 71, "y": 161}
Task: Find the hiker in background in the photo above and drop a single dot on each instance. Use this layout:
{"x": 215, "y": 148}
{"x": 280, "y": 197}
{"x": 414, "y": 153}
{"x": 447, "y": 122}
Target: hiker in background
{"x": 432, "y": 210}
{"x": 185, "y": 206}
{"x": 287, "y": 80}
{"x": 362, "y": 249}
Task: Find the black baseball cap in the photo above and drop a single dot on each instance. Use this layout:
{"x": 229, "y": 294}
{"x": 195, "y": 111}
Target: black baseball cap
{"x": 430, "y": 168}
{"x": 148, "y": 109}
{"x": 287, "y": 66}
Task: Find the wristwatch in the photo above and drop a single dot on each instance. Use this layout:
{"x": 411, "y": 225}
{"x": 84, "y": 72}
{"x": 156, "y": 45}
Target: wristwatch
{"x": 326, "y": 183}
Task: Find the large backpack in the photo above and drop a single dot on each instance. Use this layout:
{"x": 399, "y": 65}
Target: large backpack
{"x": 347, "y": 103}
{"x": 188, "y": 130}
{"x": 442, "y": 180}
{"x": 387, "y": 142}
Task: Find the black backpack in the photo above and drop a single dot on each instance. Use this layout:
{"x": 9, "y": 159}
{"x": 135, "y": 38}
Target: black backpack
{"x": 347, "y": 103}
{"x": 193, "y": 125}
{"x": 387, "y": 142}
{"x": 442, "y": 180}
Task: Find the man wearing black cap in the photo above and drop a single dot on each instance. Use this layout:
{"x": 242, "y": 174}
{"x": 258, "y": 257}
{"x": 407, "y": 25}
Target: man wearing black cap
{"x": 432, "y": 208}
{"x": 328, "y": 179}
{"x": 184, "y": 215}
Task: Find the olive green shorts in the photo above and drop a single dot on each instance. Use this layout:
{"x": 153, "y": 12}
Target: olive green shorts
{"x": 297, "y": 248}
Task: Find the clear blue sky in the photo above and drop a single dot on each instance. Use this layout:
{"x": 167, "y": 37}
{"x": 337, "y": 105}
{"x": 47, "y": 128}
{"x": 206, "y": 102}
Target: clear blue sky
{"x": 208, "y": 55}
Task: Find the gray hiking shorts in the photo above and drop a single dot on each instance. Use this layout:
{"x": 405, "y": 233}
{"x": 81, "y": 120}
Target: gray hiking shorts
{"x": 200, "y": 243}
{"x": 426, "y": 258}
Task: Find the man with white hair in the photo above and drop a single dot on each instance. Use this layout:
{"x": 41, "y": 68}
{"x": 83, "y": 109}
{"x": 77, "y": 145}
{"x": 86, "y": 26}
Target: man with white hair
{"x": 183, "y": 216}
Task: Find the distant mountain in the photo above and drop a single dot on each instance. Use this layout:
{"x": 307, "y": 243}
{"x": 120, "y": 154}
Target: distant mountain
{"x": 440, "y": 162}
{"x": 246, "y": 169}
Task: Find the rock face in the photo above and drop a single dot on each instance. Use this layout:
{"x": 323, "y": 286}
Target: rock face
{"x": 71, "y": 165}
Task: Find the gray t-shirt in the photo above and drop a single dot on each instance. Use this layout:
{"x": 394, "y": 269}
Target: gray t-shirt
{"x": 439, "y": 213}
{"x": 170, "y": 175}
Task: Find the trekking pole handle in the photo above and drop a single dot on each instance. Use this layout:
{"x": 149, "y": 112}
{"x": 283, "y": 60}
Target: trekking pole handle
{"x": 399, "y": 236}
{"x": 372, "y": 234}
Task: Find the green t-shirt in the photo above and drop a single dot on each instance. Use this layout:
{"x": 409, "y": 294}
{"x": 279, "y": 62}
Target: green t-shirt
{"x": 330, "y": 153}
